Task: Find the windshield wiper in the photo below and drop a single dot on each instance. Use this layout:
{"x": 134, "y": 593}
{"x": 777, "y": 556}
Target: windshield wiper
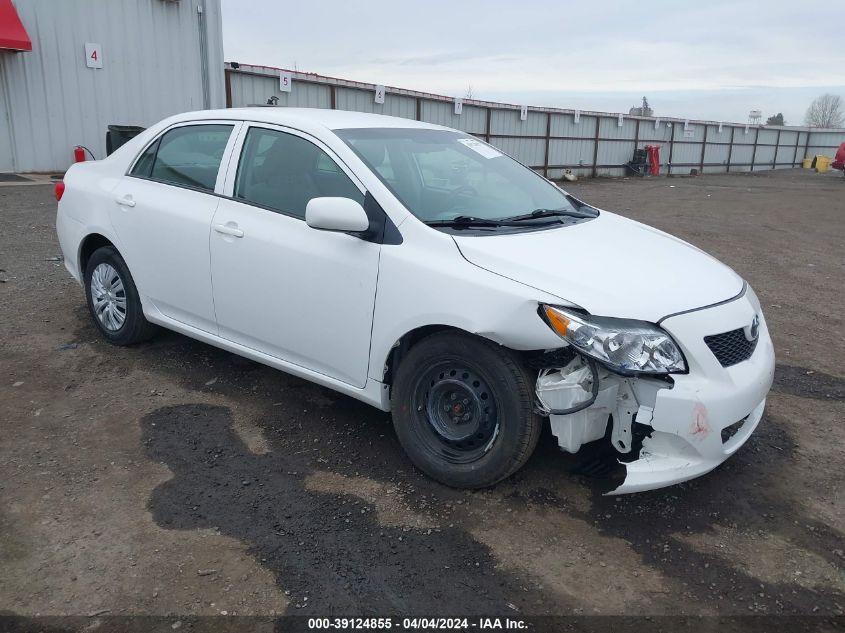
{"x": 549, "y": 213}
{"x": 465, "y": 221}
{"x": 468, "y": 222}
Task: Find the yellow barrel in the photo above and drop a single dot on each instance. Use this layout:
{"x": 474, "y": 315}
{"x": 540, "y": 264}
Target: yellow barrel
{"x": 807, "y": 163}
{"x": 822, "y": 163}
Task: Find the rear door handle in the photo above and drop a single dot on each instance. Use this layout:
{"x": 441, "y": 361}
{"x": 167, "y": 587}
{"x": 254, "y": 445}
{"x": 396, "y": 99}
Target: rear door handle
{"x": 125, "y": 201}
{"x": 230, "y": 228}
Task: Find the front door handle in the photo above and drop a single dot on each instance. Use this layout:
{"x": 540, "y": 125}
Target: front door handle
{"x": 230, "y": 228}
{"x": 125, "y": 201}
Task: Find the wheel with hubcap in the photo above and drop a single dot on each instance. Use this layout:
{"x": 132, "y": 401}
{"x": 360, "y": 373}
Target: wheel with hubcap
{"x": 463, "y": 409}
{"x": 113, "y": 299}
{"x": 108, "y": 296}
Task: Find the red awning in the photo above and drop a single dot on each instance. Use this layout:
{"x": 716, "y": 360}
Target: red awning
{"x": 12, "y": 34}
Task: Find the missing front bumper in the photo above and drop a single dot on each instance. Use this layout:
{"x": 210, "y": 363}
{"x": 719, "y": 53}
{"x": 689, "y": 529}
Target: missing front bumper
{"x": 610, "y": 399}
{"x": 666, "y": 459}
{"x": 690, "y": 425}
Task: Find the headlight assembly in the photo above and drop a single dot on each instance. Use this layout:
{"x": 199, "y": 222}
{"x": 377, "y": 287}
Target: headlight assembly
{"x": 622, "y": 345}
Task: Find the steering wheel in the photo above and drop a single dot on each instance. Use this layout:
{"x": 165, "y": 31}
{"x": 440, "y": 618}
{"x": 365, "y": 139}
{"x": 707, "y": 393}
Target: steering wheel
{"x": 463, "y": 190}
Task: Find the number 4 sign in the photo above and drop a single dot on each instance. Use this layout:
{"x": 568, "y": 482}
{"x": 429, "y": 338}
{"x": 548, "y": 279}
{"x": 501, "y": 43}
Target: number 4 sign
{"x": 93, "y": 55}
{"x": 379, "y": 94}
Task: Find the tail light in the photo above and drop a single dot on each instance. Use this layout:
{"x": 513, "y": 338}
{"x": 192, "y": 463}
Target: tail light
{"x": 60, "y": 190}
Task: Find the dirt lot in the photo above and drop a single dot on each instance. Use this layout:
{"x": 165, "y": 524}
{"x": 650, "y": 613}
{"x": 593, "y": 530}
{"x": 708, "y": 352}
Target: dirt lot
{"x": 173, "y": 478}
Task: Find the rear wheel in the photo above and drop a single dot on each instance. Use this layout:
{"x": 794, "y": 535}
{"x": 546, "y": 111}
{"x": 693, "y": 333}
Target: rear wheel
{"x": 463, "y": 409}
{"x": 113, "y": 300}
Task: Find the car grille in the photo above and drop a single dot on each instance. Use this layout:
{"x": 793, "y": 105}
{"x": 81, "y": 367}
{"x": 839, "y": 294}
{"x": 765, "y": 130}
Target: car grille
{"x": 731, "y": 347}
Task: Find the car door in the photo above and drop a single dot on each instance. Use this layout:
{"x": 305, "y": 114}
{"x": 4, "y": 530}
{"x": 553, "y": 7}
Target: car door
{"x": 162, "y": 215}
{"x": 299, "y": 294}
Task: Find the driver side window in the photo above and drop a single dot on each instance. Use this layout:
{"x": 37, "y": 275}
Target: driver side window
{"x": 282, "y": 172}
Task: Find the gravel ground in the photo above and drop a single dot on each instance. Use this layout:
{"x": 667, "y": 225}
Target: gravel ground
{"x": 174, "y": 478}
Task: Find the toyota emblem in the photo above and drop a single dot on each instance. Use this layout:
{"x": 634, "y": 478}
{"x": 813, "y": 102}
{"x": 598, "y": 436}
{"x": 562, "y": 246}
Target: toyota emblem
{"x": 754, "y": 329}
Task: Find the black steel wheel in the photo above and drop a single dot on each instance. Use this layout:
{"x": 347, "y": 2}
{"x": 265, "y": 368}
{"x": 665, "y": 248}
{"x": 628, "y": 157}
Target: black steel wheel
{"x": 463, "y": 410}
{"x": 458, "y": 405}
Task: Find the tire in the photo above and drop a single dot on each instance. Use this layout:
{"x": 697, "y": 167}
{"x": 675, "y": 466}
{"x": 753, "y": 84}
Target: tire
{"x": 113, "y": 300}
{"x": 490, "y": 386}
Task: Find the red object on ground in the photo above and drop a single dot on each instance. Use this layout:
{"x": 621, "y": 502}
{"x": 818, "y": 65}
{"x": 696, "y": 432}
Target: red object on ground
{"x": 12, "y": 34}
{"x": 839, "y": 159}
{"x": 653, "y": 159}
{"x": 78, "y": 154}
{"x": 60, "y": 190}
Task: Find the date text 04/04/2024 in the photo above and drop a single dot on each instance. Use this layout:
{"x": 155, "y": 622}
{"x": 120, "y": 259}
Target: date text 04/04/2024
{"x": 415, "y": 624}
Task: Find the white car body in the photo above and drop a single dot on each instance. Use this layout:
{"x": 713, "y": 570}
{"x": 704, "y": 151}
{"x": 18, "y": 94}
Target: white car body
{"x": 329, "y": 307}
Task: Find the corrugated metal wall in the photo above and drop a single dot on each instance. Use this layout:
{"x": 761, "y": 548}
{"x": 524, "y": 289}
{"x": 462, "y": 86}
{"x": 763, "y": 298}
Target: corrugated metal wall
{"x": 820, "y": 141}
{"x": 550, "y": 140}
{"x": 152, "y": 68}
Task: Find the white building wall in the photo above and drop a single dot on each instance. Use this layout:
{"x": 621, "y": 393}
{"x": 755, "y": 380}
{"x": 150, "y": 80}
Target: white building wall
{"x": 152, "y": 68}
{"x": 6, "y": 163}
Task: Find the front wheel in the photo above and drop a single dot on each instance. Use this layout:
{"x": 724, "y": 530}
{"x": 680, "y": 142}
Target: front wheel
{"x": 463, "y": 409}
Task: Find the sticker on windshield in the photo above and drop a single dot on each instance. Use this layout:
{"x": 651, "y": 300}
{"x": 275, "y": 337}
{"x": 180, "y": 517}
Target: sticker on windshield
{"x": 480, "y": 148}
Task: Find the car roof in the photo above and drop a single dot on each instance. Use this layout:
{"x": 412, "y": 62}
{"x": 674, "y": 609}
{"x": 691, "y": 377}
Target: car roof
{"x": 308, "y": 119}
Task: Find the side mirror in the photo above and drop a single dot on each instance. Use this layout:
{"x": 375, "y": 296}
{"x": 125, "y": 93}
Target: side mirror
{"x": 336, "y": 214}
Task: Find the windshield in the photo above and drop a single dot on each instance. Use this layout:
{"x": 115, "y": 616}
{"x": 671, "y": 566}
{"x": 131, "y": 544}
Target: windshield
{"x": 444, "y": 176}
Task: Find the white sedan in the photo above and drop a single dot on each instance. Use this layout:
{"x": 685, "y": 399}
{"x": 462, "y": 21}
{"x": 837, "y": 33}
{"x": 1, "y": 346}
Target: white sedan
{"x": 424, "y": 272}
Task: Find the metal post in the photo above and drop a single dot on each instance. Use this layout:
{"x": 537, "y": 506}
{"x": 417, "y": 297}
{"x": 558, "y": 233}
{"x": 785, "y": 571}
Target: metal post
{"x": 731, "y": 149}
{"x": 703, "y": 149}
{"x": 671, "y": 150}
{"x": 333, "y": 97}
{"x": 487, "y": 132}
{"x": 203, "y": 42}
{"x": 795, "y": 155}
{"x": 419, "y": 109}
{"x": 777, "y": 147}
{"x": 227, "y": 80}
{"x": 637, "y": 136}
{"x": 807, "y": 145}
{"x": 548, "y": 142}
{"x": 754, "y": 152}
{"x": 596, "y": 148}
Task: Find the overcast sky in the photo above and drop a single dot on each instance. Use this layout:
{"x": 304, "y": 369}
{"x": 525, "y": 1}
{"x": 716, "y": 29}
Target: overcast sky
{"x": 705, "y": 59}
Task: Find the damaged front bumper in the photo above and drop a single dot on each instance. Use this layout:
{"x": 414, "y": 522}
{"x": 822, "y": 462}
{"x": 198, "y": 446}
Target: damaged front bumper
{"x": 692, "y": 424}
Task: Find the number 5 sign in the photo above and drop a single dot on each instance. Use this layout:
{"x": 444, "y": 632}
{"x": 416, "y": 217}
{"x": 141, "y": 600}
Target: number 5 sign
{"x": 285, "y": 80}
{"x": 93, "y": 55}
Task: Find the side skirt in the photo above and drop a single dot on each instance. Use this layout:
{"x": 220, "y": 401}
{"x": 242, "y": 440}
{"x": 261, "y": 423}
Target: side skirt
{"x": 374, "y": 393}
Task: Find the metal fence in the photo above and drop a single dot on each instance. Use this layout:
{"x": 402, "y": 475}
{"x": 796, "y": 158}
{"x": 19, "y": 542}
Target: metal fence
{"x": 550, "y": 140}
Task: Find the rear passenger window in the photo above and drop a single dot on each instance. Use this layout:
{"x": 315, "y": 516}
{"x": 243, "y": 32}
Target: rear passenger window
{"x": 188, "y": 156}
{"x": 144, "y": 164}
{"x": 283, "y": 172}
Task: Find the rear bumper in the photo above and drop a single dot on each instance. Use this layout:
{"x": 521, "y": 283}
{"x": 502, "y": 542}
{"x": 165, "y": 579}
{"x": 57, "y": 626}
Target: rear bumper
{"x": 710, "y": 412}
{"x": 70, "y": 233}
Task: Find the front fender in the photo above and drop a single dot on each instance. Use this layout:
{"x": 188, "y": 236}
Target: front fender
{"x": 427, "y": 282}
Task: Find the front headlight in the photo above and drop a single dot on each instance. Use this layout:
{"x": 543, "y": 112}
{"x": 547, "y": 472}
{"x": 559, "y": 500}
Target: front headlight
{"x": 622, "y": 345}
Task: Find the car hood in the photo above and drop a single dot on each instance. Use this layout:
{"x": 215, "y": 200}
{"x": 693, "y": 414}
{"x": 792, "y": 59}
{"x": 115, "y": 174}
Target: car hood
{"x": 610, "y": 266}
